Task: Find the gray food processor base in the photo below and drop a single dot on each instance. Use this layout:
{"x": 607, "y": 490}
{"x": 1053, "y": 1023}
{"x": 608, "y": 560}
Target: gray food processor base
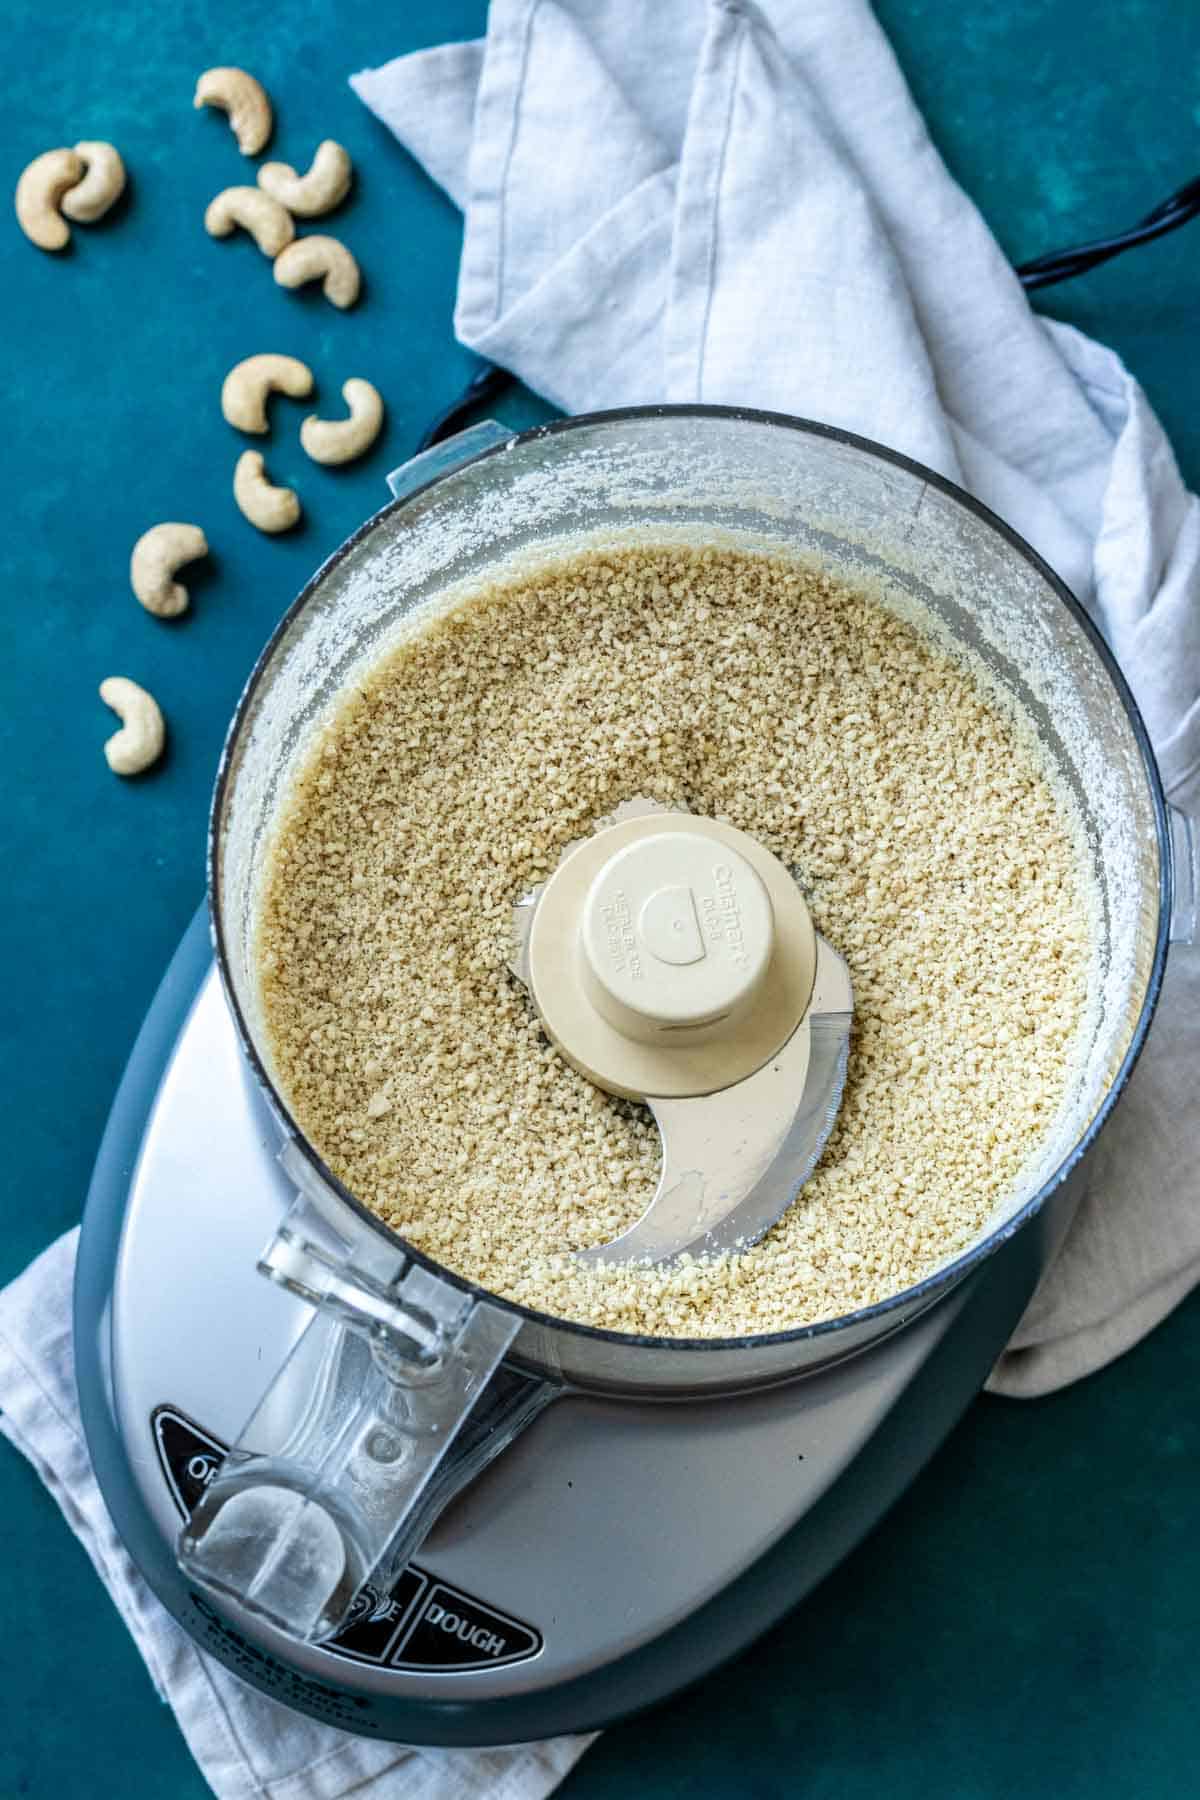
{"x": 616, "y": 1552}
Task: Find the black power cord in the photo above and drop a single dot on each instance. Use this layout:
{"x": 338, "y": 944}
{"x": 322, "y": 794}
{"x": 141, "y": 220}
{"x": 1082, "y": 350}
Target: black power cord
{"x": 1061, "y": 265}
{"x": 490, "y": 380}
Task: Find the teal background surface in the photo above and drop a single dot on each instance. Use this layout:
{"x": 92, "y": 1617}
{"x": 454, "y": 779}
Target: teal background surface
{"x": 1027, "y": 1619}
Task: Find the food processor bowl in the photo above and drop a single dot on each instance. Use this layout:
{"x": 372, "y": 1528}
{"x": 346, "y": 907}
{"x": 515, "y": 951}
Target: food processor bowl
{"x": 410, "y": 1377}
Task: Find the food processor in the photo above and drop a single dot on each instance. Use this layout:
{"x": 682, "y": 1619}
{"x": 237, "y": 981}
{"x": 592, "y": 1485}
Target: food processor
{"x": 399, "y": 1502}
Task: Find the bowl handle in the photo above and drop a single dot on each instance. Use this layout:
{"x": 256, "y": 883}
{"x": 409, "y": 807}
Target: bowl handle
{"x": 390, "y": 1401}
{"x": 427, "y": 465}
{"x": 1185, "y": 870}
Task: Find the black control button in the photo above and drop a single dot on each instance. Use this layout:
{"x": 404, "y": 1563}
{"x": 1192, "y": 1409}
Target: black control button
{"x": 453, "y": 1631}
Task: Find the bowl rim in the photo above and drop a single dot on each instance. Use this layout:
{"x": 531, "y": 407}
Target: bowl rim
{"x": 894, "y": 1309}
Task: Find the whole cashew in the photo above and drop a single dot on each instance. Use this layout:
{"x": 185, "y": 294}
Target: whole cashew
{"x": 270, "y": 508}
{"x": 244, "y": 99}
{"x": 310, "y": 257}
{"x": 341, "y": 440}
{"x": 307, "y": 196}
{"x": 103, "y": 184}
{"x": 269, "y": 224}
{"x": 156, "y": 556}
{"x": 140, "y": 739}
{"x": 246, "y": 387}
{"x": 39, "y": 192}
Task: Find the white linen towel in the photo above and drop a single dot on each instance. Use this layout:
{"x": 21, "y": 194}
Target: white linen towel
{"x": 730, "y": 204}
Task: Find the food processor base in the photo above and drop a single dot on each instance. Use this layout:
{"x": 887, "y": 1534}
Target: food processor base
{"x": 617, "y": 1551}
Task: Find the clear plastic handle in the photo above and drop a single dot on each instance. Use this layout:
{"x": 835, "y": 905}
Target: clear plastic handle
{"x": 1185, "y": 868}
{"x": 440, "y": 458}
{"x": 359, "y": 1440}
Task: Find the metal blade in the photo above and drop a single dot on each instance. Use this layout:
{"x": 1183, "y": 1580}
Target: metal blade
{"x": 733, "y": 1162}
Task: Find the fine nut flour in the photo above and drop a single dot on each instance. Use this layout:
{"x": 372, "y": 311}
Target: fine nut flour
{"x": 937, "y": 854}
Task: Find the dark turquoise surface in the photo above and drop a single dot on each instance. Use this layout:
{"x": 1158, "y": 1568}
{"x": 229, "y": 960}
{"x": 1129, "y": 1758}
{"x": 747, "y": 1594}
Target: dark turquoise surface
{"x": 1027, "y": 1622}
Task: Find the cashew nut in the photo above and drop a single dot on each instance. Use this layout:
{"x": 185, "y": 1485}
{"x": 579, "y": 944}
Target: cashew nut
{"x": 39, "y": 192}
{"x": 269, "y": 224}
{"x": 309, "y": 257}
{"x": 270, "y": 508}
{"x": 140, "y": 739}
{"x": 245, "y": 389}
{"x": 244, "y": 99}
{"x": 103, "y": 184}
{"x": 307, "y": 196}
{"x": 341, "y": 440}
{"x": 156, "y": 556}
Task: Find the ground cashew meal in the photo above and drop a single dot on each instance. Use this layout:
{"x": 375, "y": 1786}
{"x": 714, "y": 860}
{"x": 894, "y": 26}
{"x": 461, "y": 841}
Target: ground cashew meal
{"x": 936, "y": 853}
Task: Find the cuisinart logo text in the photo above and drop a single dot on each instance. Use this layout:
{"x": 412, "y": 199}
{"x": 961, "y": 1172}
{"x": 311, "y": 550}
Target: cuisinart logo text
{"x": 723, "y": 916}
